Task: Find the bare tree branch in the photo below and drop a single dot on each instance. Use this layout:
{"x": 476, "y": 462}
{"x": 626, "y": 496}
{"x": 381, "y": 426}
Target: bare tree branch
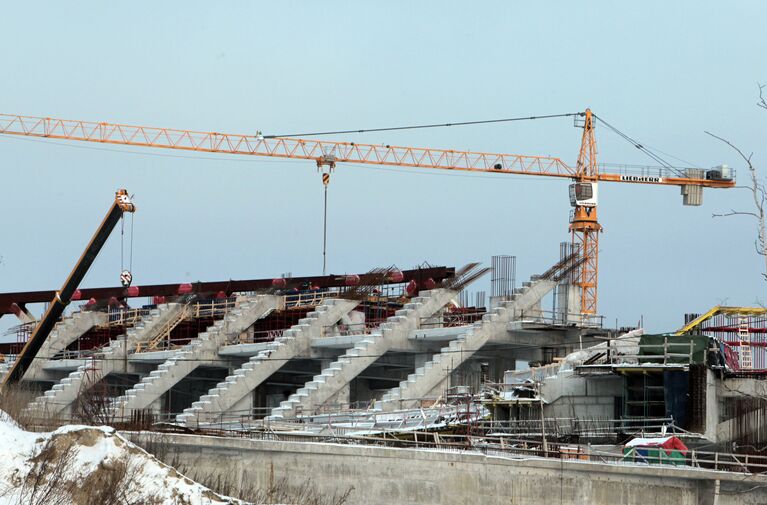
{"x": 746, "y": 158}
{"x": 757, "y": 192}
{"x": 735, "y": 213}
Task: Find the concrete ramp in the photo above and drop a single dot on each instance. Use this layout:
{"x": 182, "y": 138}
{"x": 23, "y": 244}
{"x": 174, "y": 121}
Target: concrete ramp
{"x": 64, "y": 333}
{"x": 433, "y": 373}
{"x": 395, "y": 330}
{"x": 294, "y": 342}
{"x": 194, "y": 354}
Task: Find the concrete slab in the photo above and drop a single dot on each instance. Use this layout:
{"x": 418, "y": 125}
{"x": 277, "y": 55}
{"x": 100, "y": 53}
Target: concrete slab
{"x": 63, "y": 365}
{"x": 150, "y": 357}
{"x": 338, "y": 342}
{"x": 243, "y": 350}
{"x": 438, "y": 334}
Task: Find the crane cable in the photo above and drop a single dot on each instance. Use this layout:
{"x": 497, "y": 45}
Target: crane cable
{"x": 122, "y": 242}
{"x": 417, "y": 127}
{"x": 640, "y": 146}
{"x": 126, "y": 276}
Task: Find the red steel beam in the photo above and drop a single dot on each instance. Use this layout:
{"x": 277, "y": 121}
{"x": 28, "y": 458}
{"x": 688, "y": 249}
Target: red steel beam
{"x": 22, "y": 298}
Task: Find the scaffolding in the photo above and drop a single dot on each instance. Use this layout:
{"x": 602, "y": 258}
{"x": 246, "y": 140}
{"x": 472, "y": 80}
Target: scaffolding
{"x": 742, "y": 331}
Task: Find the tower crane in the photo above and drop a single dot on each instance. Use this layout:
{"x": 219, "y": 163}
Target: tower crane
{"x": 586, "y": 175}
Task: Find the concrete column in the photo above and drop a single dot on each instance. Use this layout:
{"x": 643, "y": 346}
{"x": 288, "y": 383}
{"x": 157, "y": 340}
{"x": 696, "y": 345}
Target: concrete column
{"x": 712, "y": 407}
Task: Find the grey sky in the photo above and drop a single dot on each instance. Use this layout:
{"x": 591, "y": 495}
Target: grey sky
{"x": 660, "y": 71}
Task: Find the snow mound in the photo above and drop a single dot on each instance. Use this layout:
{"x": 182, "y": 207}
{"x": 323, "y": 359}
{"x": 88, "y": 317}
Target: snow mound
{"x": 81, "y": 465}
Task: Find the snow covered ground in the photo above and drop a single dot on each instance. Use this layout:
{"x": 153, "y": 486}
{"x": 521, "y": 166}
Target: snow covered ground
{"x": 83, "y": 465}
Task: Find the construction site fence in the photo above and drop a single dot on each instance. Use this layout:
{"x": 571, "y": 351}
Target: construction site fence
{"x": 343, "y": 422}
{"x": 555, "y": 429}
{"x": 518, "y": 449}
{"x": 582, "y": 427}
{"x": 501, "y": 445}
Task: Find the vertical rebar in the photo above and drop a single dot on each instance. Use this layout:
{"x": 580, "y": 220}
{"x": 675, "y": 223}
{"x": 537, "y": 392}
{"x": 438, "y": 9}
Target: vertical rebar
{"x": 504, "y": 274}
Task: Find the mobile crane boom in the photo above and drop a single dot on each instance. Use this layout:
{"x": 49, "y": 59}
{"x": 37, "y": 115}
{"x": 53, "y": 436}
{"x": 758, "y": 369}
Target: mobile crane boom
{"x": 61, "y": 299}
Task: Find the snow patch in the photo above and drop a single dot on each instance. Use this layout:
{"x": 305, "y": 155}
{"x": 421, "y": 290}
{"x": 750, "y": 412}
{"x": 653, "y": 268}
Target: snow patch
{"x": 94, "y": 450}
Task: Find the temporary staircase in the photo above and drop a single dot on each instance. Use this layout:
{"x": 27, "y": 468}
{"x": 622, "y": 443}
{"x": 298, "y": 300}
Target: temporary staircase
{"x": 744, "y": 350}
{"x": 64, "y": 333}
{"x": 294, "y": 342}
{"x": 111, "y": 360}
{"x": 349, "y": 365}
{"x": 433, "y": 373}
{"x": 194, "y": 354}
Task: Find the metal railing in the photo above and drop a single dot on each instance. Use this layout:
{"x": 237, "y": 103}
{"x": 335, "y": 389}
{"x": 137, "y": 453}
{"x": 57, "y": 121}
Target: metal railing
{"x": 556, "y": 318}
{"x": 451, "y": 319}
{"x": 308, "y": 298}
{"x": 650, "y": 172}
{"x": 546, "y": 317}
{"x": 78, "y": 354}
{"x": 345, "y": 330}
{"x": 211, "y": 309}
{"x": 127, "y": 317}
{"x": 616, "y": 352}
{"x": 535, "y": 374}
{"x": 581, "y": 427}
{"x": 257, "y": 337}
{"x": 506, "y": 447}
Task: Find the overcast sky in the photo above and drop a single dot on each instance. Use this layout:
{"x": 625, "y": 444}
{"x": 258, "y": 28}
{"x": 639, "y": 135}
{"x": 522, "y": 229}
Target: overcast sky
{"x": 663, "y": 72}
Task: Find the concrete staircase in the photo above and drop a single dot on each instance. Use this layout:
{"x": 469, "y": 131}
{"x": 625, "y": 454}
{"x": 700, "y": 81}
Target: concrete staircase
{"x": 64, "y": 333}
{"x": 189, "y": 357}
{"x": 433, "y": 373}
{"x": 393, "y": 331}
{"x": 111, "y": 360}
{"x": 237, "y": 387}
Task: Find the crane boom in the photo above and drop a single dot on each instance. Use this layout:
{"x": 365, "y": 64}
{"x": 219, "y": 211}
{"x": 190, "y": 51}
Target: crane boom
{"x": 61, "y": 299}
{"x": 331, "y": 151}
{"x": 584, "y": 226}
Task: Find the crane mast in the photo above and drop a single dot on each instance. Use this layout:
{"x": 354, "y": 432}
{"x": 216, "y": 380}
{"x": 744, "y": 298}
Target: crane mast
{"x": 584, "y": 227}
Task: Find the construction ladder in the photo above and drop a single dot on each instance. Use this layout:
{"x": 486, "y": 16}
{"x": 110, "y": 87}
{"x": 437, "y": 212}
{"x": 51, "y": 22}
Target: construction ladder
{"x": 744, "y": 335}
{"x": 167, "y": 328}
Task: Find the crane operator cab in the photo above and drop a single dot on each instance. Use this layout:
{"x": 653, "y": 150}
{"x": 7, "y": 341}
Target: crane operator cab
{"x": 583, "y": 194}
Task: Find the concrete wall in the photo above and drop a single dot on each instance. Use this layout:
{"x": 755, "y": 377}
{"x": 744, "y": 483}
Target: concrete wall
{"x": 384, "y": 476}
{"x": 571, "y": 395}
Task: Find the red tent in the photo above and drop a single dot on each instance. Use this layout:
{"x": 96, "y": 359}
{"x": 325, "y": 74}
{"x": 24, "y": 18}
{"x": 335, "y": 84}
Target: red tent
{"x": 667, "y": 443}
